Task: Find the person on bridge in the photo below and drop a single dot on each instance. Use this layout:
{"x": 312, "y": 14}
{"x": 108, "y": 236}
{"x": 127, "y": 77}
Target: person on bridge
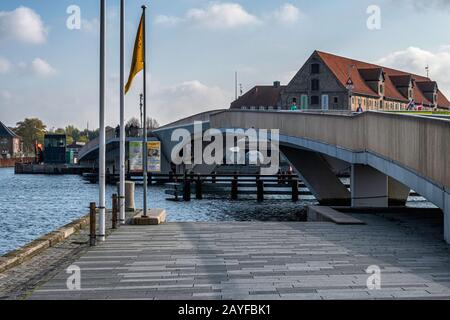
{"x": 360, "y": 109}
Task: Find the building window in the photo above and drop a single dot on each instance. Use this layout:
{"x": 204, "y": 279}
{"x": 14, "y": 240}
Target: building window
{"x": 381, "y": 89}
{"x": 315, "y": 68}
{"x": 315, "y": 85}
{"x": 314, "y": 100}
{"x": 335, "y": 100}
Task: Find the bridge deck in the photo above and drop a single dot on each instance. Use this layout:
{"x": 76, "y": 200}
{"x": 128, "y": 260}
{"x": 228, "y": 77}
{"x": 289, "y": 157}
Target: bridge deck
{"x": 255, "y": 260}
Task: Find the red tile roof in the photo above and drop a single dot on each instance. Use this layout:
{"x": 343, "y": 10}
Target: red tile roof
{"x": 341, "y": 66}
{"x": 267, "y": 96}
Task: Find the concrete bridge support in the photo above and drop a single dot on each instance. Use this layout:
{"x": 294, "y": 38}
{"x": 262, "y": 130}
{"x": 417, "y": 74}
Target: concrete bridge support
{"x": 398, "y": 192}
{"x": 369, "y": 187}
{"x": 317, "y": 175}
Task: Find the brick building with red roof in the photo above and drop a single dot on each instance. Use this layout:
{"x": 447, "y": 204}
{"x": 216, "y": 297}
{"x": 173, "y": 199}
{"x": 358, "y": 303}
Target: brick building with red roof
{"x": 322, "y": 83}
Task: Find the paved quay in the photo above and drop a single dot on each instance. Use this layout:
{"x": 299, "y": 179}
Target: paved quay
{"x": 263, "y": 260}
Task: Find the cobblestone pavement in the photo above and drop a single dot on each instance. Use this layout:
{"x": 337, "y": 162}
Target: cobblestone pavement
{"x": 264, "y": 260}
{"x": 18, "y": 281}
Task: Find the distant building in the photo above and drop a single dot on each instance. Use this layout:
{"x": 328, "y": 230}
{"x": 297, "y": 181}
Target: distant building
{"x": 55, "y": 149}
{"x": 331, "y": 82}
{"x": 260, "y": 97}
{"x": 10, "y": 143}
{"x": 73, "y": 150}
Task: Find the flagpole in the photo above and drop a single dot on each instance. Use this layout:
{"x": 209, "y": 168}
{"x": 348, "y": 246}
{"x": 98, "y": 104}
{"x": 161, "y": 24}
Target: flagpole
{"x": 102, "y": 155}
{"x": 144, "y": 158}
{"x": 122, "y": 114}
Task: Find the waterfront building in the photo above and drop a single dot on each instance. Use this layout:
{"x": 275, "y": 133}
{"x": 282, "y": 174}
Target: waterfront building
{"x": 55, "y": 149}
{"x": 330, "y": 82}
{"x": 10, "y": 143}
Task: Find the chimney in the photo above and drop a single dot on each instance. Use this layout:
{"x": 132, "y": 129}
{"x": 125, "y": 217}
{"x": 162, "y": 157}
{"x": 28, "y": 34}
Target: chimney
{"x": 277, "y": 84}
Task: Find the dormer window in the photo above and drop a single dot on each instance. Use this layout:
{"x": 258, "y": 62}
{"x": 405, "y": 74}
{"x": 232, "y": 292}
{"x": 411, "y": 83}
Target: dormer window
{"x": 381, "y": 89}
{"x": 410, "y": 93}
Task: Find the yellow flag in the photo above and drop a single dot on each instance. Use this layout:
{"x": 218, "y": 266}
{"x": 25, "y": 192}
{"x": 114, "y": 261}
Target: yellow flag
{"x": 137, "y": 64}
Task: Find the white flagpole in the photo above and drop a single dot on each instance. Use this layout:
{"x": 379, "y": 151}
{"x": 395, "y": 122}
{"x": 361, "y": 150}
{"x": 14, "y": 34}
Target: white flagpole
{"x": 122, "y": 113}
{"x": 102, "y": 155}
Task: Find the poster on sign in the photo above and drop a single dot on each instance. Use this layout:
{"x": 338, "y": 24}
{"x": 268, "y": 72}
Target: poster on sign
{"x": 135, "y": 156}
{"x": 154, "y": 156}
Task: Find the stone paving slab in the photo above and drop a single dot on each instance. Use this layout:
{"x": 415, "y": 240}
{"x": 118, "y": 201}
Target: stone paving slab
{"x": 263, "y": 260}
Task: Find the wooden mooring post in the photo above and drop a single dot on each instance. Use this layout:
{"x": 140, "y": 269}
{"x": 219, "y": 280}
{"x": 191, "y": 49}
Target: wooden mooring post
{"x": 259, "y": 189}
{"x": 187, "y": 190}
{"x": 92, "y": 224}
{"x": 295, "y": 192}
{"x": 114, "y": 210}
{"x": 234, "y": 188}
{"x": 198, "y": 188}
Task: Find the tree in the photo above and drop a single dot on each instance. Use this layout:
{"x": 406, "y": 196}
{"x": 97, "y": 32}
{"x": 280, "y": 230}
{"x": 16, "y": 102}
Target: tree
{"x": 152, "y": 124}
{"x": 73, "y": 132}
{"x": 133, "y": 122}
{"x": 30, "y": 130}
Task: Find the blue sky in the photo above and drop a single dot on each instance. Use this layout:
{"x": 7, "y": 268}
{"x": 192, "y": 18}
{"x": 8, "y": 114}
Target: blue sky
{"x": 195, "y": 46}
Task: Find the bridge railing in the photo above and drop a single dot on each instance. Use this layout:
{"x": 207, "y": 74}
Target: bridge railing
{"x": 418, "y": 143}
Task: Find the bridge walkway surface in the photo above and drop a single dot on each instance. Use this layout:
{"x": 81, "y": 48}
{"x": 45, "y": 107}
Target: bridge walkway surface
{"x": 264, "y": 260}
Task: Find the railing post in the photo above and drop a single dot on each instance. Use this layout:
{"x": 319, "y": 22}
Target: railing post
{"x": 213, "y": 177}
{"x": 114, "y": 211}
{"x": 294, "y": 183}
{"x": 198, "y": 188}
{"x": 234, "y": 188}
{"x": 92, "y": 224}
{"x": 259, "y": 189}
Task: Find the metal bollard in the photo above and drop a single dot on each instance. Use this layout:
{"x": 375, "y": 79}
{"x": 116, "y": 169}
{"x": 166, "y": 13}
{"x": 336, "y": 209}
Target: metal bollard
{"x": 115, "y": 206}
{"x": 92, "y": 224}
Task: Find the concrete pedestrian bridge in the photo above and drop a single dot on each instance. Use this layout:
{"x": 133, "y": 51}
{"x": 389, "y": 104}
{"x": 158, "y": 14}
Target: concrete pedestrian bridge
{"x": 389, "y": 154}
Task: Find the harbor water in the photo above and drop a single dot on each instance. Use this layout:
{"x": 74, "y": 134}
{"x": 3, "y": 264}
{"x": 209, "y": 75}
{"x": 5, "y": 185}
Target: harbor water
{"x": 34, "y": 205}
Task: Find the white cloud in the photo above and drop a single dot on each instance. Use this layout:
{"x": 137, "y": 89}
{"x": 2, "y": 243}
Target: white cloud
{"x": 185, "y": 99}
{"x": 229, "y": 15}
{"x": 42, "y": 68}
{"x": 287, "y": 14}
{"x": 221, "y": 16}
{"x": 415, "y": 60}
{"x": 22, "y": 25}
{"x": 167, "y": 21}
{"x": 90, "y": 26}
{"x": 5, "y": 66}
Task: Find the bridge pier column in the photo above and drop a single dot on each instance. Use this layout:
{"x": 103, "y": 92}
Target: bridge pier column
{"x": 369, "y": 187}
{"x": 398, "y": 192}
{"x": 317, "y": 175}
{"x": 447, "y": 217}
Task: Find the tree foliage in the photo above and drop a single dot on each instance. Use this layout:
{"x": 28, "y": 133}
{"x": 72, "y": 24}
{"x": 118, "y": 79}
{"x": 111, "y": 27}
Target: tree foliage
{"x": 30, "y": 130}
